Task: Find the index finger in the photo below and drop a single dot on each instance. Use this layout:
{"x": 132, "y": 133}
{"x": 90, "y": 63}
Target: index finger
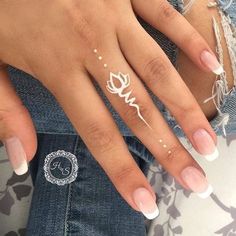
{"x": 97, "y": 129}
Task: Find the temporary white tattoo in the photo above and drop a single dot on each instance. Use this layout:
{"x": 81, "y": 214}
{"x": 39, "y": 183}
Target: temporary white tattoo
{"x": 164, "y": 146}
{"x": 124, "y": 81}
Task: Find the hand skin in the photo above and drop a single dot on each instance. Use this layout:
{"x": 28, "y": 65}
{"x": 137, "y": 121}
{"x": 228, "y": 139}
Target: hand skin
{"x": 58, "y": 50}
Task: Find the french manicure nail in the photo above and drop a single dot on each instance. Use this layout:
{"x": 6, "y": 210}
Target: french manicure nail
{"x": 145, "y": 202}
{"x": 16, "y": 155}
{"x": 196, "y": 181}
{"x": 211, "y": 62}
{"x": 205, "y": 144}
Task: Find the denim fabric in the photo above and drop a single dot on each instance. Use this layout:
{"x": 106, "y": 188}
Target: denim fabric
{"x": 89, "y": 206}
{"x": 229, "y": 6}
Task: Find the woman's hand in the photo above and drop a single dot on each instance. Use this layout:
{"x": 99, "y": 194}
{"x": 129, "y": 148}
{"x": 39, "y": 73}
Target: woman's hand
{"x": 66, "y": 43}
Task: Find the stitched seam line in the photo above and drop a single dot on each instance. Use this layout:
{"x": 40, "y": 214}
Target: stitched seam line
{"x": 68, "y": 207}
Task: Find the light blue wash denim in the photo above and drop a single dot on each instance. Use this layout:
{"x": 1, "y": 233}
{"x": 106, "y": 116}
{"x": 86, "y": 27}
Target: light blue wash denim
{"x": 91, "y": 205}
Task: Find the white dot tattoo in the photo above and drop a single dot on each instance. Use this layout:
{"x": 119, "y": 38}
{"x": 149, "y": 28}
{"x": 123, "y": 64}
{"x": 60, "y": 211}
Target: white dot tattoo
{"x": 124, "y": 80}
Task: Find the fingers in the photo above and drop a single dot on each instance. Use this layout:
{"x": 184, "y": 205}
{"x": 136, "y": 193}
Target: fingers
{"x": 96, "y": 127}
{"x": 16, "y": 127}
{"x": 161, "y": 15}
{"x": 155, "y": 69}
{"x": 130, "y": 99}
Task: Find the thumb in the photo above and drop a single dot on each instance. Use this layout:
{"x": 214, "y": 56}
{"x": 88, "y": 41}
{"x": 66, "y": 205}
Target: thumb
{"x": 17, "y": 131}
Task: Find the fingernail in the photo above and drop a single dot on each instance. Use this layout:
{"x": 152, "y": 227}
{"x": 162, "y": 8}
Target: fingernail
{"x": 16, "y": 155}
{"x": 197, "y": 182}
{"x": 145, "y": 202}
{"x": 211, "y": 62}
{"x": 205, "y": 144}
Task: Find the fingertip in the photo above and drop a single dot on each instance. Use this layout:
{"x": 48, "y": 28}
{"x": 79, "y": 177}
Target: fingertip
{"x": 146, "y": 203}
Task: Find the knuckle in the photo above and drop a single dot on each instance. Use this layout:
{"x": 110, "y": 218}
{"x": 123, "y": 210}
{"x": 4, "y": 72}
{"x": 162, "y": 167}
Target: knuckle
{"x": 80, "y": 24}
{"x": 84, "y": 30}
{"x": 175, "y": 152}
{"x": 123, "y": 173}
{"x": 132, "y": 114}
{"x": 99, "y": 137}
{"x": 4, "y": 114}
{"x": 167, "y": 11}
{"x": 155, "y": 70}
{"x": 191, "y": 108}
{"x": 7, "y": 118}
{"x": 193, "y": 38}
{"x": 187, "y": 110}
{"x": 11, "y": 112}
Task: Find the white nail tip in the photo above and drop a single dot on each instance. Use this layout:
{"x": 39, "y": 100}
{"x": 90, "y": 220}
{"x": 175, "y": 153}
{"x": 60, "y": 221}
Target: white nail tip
{"x": 207, "y": 193}
{"x": 22, "y": 169}
{"x": 213, "y": 156}
{"x": 219, "y": 70}
{"x": 153, "y": 215}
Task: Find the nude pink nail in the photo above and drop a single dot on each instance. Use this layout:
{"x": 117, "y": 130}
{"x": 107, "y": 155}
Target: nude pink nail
{"x": 196, "y": 181}
{"x": 16, "y": 155}
{"x": 211, "y": 62}
{"x": 145, "y": 202}
{"x": 205, "y": 144}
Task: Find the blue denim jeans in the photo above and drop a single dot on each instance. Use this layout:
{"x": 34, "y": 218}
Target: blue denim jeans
{"x": 90, "y": 205}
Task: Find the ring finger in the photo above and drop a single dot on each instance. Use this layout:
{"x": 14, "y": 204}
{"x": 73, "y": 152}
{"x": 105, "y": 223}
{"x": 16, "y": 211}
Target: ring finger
{"x": 155, "y": 69}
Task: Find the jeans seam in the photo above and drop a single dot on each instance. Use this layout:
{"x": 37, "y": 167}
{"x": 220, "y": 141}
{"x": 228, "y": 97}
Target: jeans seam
{"x": 68, "y": 207}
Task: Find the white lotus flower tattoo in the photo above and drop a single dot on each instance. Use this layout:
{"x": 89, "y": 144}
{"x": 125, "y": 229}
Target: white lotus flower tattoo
{"x": 124, "y": 81}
